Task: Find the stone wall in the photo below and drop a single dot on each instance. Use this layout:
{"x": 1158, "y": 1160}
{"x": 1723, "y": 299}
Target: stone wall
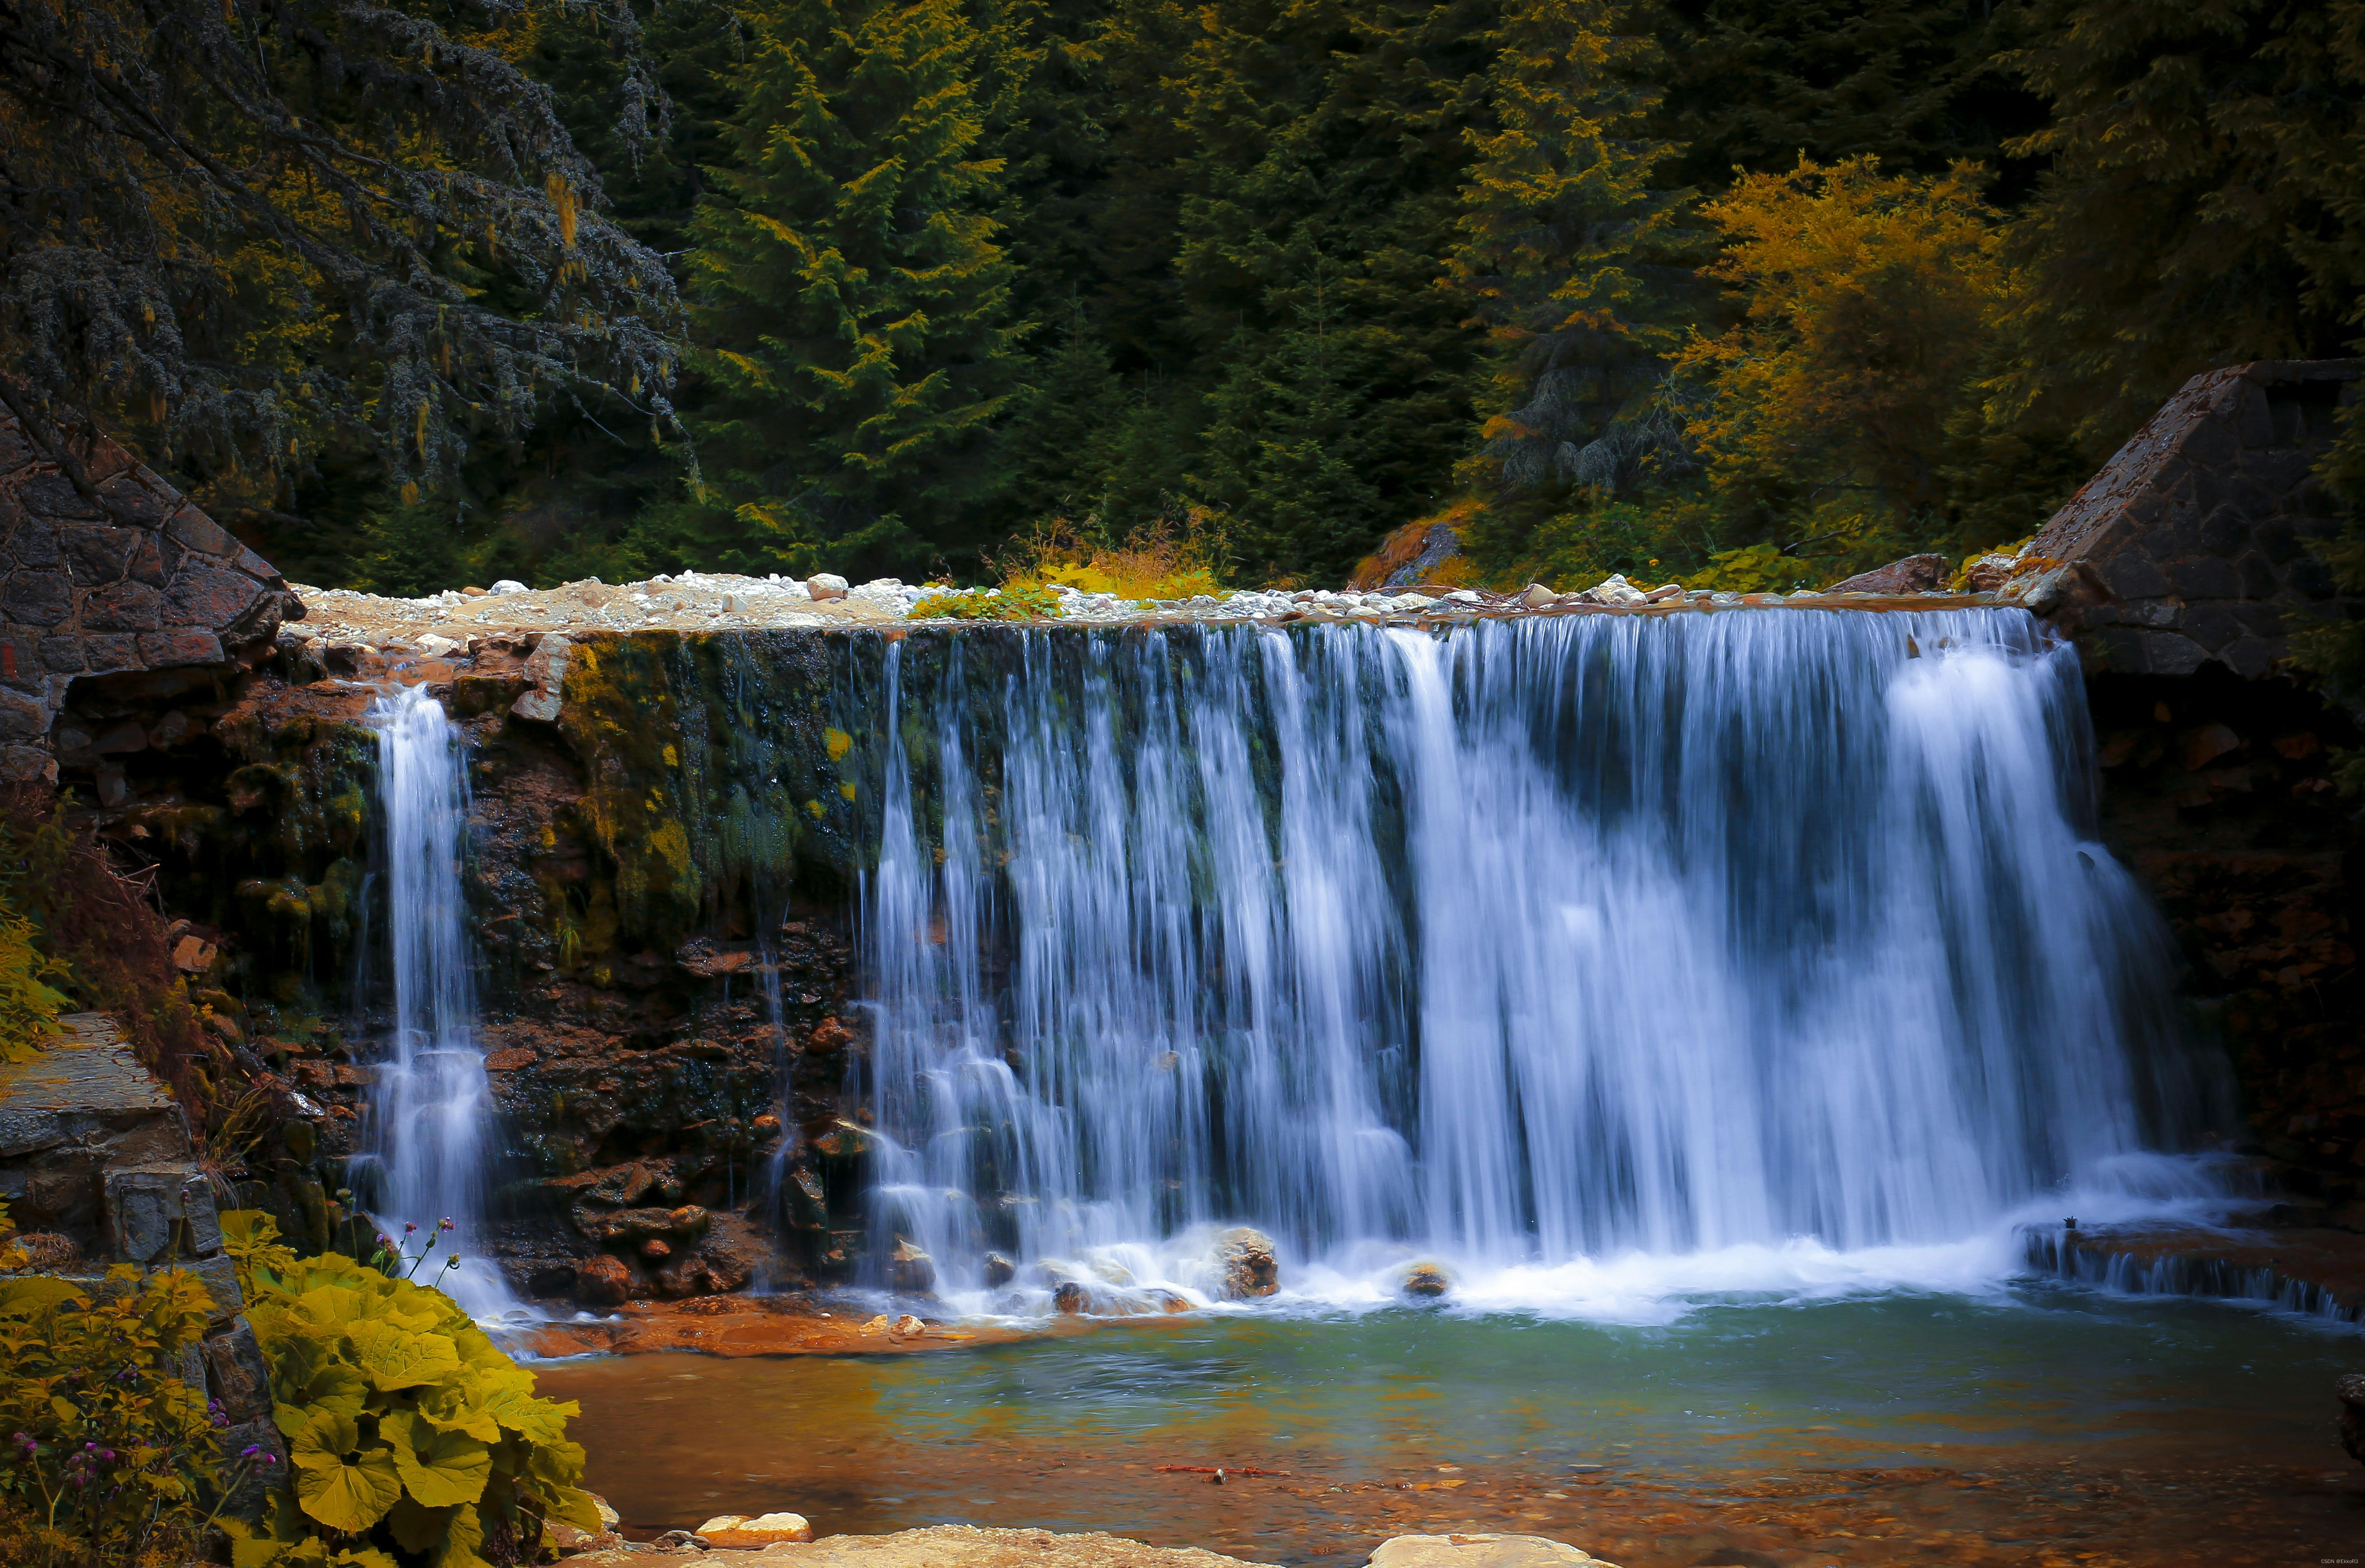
{"x": 2180, "y": 570}
{"x": 97, "y": 1168}
{"x": 2194, "y": 545}
{"x": 137, "y": 582}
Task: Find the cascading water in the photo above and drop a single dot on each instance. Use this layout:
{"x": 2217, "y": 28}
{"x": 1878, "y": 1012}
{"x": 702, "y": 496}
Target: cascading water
{"x": 431, "y": 1104}
{"x": 1758, "y": 938}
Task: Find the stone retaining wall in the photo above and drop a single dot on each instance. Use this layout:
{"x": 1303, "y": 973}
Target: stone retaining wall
{"x": 137, "y": 582}
{"x": 97, "y": 1168}
{"x": 2196, "y": 542}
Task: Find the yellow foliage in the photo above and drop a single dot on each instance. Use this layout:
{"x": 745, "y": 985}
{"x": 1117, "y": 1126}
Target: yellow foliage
{"x": 406, "y": 1426}
{"x": 29, "y": 1004}
{"x": 1866, "y": 298}
{"x": 1160, "y": 561}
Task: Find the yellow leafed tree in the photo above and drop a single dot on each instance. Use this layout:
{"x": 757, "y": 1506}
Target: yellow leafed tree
{"x": 1867, "y": 302}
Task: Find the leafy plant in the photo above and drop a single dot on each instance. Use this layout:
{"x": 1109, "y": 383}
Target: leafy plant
{"x": 104, "y": 1460}
{"x": 411, "y": 1436}
{"x": 28, "y": 1005}
{"x": 1178, "y": 556}
{"x": 1753, "y": 568}
{"x": 1021, "y": 602}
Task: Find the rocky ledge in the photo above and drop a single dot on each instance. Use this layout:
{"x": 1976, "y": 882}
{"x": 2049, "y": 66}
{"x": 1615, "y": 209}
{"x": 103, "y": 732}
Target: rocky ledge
{"x": 345, "y": 631}
{"x": 2296, "y": 1267}
{"x": 966, "y": 1546}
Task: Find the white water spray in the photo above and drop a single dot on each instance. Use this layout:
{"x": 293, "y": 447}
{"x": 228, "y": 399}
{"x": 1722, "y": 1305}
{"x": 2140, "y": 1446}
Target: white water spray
{"x": 431, "y": 1104}
{"x": 1552, "y": 949}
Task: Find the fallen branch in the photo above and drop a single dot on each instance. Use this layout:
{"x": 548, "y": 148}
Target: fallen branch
{"x": 1217, "y": 1470}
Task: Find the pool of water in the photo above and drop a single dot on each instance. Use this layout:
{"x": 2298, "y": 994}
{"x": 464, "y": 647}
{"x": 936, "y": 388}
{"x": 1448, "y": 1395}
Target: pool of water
{"x": 2012, "y": 1427}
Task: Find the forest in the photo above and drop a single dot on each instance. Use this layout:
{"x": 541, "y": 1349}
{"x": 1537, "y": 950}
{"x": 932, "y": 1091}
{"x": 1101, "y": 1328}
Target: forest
{"x": 1752, "y": 292}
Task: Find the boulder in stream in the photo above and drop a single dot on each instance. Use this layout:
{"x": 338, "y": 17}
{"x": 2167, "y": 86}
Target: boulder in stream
{"x": 1427, "y": 1280}
{"x": 1245, "y": 1263}
{"x": 911, "y": 1272}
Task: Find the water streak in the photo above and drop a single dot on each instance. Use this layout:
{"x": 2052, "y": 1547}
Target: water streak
{"x": 432, "y": 1115}
{"x": 1547, "y": 940}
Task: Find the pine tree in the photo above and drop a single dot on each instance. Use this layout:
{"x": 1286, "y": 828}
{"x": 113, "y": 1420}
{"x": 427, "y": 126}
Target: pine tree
{"x": 1327, "y": 145}
{"x": 1280, "y": 451}
{"x": 2202, "y": 206}
{"x": 1056, "y": 447}
{"x": 1571, "y": 254}
{"x": 1758, "y": 84}
{"x": 850, "y": 297}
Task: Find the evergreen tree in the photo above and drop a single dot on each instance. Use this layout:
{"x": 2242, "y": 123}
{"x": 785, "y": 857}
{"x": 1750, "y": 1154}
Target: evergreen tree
{"x": 1571, "y": 254}
{"x": 1758, "y": 84}
{"x": 1280, "y": 449}
{"x": 1318, "y": 207}
{"x": 2201, "y": 207}
{"x": 851, "y": 302}
{"x": 1056, "y": 448}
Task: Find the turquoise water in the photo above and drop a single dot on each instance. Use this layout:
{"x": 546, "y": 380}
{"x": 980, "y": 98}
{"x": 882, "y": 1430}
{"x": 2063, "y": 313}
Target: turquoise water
{"x": 2017, "y": 1383}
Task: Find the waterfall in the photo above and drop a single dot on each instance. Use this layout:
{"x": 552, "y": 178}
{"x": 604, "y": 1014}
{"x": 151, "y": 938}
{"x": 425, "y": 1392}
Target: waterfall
{"x": 1536, "y": 944}
{"x": 430, "y": 1102}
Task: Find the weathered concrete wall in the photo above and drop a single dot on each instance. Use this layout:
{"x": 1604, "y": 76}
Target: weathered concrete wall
{"x": 137, "y": 582}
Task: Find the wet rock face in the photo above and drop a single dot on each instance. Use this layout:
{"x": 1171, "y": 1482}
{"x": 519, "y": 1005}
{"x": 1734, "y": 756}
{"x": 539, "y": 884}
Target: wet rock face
{"x": 2217, "y": 792}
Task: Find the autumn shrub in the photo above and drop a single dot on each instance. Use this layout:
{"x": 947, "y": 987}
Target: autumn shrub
{"x": 104, "y": 943}
{"x": 30, "y": 1005}
{"x": 105, "y": 1460}
{"x": 1174, "y": 557}
{"x": 412, "y": 1436}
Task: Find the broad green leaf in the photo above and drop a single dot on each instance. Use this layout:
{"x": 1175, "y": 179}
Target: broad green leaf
{"x": 418, "y": 1528}
{"x": 360, "y": 1557}
{"x": 324, "y": 1441}
{"x": 350, "y": 1497}
{"x": 460, "y": 1409}
{"x": 540, "y": 1420}
{"x": 254, "y": 1553}
{"x": 440, "y": 1469}
{"x": 307, "y": 1372}
{"x": 556, "y": 1461}
{"x": 330, "y": 1305}
{"x": 572, "y": 1505}
{"x": 398, "y": 1358}
{"x": 462, "y": 1540}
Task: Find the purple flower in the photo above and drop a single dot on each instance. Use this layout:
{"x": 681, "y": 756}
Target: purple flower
{"x": 408, "y": 1228}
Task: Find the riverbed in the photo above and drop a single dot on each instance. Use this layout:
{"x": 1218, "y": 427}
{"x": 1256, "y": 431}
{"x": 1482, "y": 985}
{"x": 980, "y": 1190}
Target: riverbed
{"x": 2033, "y": 1425}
